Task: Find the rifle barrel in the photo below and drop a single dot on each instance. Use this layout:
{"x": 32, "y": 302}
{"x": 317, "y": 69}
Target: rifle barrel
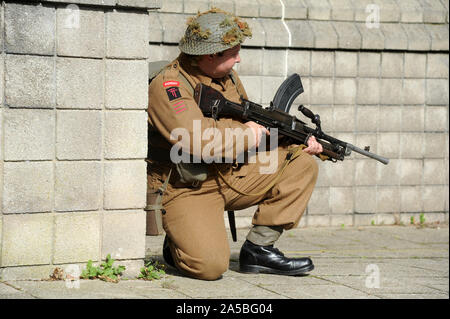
{"x": 379, "y": 158}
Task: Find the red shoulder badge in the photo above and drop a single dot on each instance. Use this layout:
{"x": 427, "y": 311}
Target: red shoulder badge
{"x": 171, "y": 83}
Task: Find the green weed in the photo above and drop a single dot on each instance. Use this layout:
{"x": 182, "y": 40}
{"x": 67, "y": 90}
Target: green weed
{"x": 152, "y": 271}
{"x": 105, "y": 271}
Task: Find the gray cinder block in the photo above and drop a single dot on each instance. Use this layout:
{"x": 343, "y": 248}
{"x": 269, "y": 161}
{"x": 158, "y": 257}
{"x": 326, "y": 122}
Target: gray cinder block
{"x": 79, "y": 83}
{"x": 77, "y": 237}
{"x": 80, "y": 32}
{"x": 411, "y": 172}
{"x": 368, "y": 91}
{"x": 27, "y": 187}
{"x": 79, "y": 135}
{"x": 270, "y": 9}
{"x": 415, "y": 65}
{"x": 322, "y": 63}
{"x": 252, "y": 61}
{"x": 388, "y": 144}
{"x": 194, "y": 6}
{"x": 436, "y": 145}
{"x": 126, "y": 84}
{"x": 437, "y": 91}
{"x": 124, "y": 234}
{"x": 345, "y": 91}
{"x": 391, "y": 91}
{"x": 29, "y": 134}
{"x": 324, "y": 34}
{"x": 275, "y": 33}
{"x": 319, "y": 203}
{"x": 78, "y": 185}
{"x": 247, "y": 8}
{"x": 29, "y": 29}
{"x": 369, "y": 64}
{"x": 295, "y": 9}
{"x": 439, "y": 36}
{"x": 346, "y": 64}
{"x": 127, "y": 35}
{"x": 344, "y": 118}
{"x": 348, "y": 35}
{"x": 413, "y": 91}
{"x": 436, "y": 118}
{"x": 435, "y": 171}
{"x": 365, "y": 199}
{"x": 274, "y": 63}
{"x": 125, "y": 184}
{"x": 435, "y": 198}
{"x": 372, "y": 38}
{"x": 27, "y": 239}
{"x": 433, "y": 11}
{"x": 437, "y": 65}
{"x": 29, "y": 81}
{"x": 342, "y": 10}
{"x": 341, "y": 200}
{"x": 411, "y": 11}
{"x": 391, "y": 65}
{"x": 418, "y": 37}
{"x": 390, "y": 119}
{"x": 318, "y": 9}
{"x": 411, "y": 199}
{"x": 365, "y": 172}
{"x": 125, "y": 134}
{"x": 411, "y": 145}
{"x": 301, "y": 33}
{"x": 367, "y": 118}
{"x": 174, "y": 27}
{"x": 388, "y": 199}
{"x": 413, "y": 118}
{"x": 258, "y": 38}
{"x": 321, "y": 91}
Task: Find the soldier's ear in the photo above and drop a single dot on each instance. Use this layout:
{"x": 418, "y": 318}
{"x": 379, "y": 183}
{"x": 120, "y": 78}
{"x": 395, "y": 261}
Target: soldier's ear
{"x": 209, "y": 57}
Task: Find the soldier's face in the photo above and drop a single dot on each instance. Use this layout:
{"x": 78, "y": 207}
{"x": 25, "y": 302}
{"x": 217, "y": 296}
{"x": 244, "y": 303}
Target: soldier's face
{"x": 219, "y": 65}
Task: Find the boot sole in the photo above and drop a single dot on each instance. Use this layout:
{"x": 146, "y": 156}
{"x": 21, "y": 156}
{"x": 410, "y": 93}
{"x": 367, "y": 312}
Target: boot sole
{"x": 255, "y": 269}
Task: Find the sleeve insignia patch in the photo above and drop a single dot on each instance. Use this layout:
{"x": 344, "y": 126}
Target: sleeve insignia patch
{"x": 173, "y": 93}
{"x": 179, "y": 106}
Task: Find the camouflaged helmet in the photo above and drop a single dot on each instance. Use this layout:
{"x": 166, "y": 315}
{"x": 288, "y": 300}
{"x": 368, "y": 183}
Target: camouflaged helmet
{"x": 213, "y": 31}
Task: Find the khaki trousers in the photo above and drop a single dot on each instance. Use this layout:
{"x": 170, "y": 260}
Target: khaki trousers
{"x": 194, "y": 218}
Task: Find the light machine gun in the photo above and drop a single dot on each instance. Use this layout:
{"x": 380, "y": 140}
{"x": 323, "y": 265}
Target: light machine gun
{"x": 213, "y": 104}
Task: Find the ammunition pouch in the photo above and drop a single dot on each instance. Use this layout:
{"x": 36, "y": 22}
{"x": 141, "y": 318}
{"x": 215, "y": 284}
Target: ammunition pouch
{"x": 192, "y": 173}
{"x": 188, "y": 173}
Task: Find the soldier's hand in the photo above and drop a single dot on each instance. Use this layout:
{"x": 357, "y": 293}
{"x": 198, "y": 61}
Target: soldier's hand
{"x": 258, "y": 131}
{"x": 314, "y": 147}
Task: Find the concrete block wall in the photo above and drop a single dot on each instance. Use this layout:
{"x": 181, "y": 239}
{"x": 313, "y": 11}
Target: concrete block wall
{"x": 377, "y": 73}
{"x": 73, "y": 95}
{"x": 73, "y": 132}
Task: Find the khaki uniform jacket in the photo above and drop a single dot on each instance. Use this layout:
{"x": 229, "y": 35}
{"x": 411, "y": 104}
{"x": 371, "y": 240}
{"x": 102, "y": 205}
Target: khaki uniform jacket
{"x": 172, "y": 106}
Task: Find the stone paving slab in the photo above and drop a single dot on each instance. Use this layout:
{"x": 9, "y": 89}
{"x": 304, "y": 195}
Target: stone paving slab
{"x": 373, "y": 262}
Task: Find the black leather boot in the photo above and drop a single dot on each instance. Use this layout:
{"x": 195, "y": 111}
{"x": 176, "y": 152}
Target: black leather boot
{"x": 167, "y": 254}
{"x": 269, "y": 260}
